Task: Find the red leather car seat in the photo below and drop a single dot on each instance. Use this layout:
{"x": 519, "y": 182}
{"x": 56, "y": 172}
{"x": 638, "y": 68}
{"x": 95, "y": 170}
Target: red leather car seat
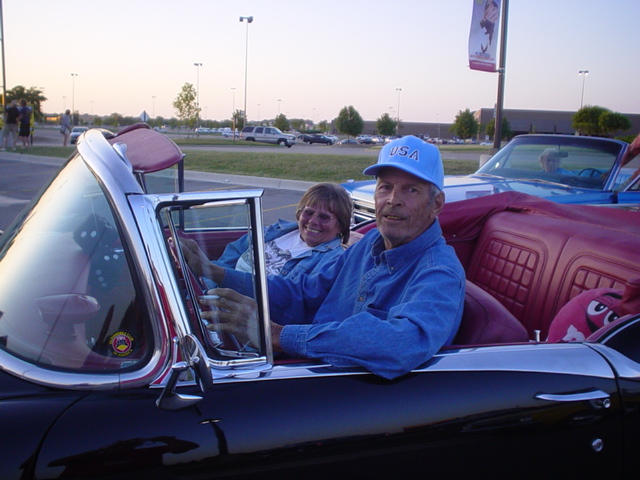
{"x": 487, "y": 321}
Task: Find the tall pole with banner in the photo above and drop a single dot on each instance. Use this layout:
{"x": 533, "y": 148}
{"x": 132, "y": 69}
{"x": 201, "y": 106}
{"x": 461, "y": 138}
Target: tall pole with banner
{"x": 485, "y": 20}
{"x": 4, "y": 75}
{"x": 497, "y": 135}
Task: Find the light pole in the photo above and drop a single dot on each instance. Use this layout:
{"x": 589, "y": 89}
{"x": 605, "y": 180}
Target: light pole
{"x": 258, "y": 114}
{"x": 246, "y": 61}
{"x": 197, "y": 65}
{"x": 153, "y": 106}
{"x": 73, "y": 98}
{"x": 279, "y": 100}
{"x": 233, "y": 113}
{"x": 584, "y": 74}
{"x": 398, "y": 112}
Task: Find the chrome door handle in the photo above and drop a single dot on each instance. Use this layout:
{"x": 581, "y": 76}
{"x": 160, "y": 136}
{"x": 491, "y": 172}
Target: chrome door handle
{"x": 599, "y": 398}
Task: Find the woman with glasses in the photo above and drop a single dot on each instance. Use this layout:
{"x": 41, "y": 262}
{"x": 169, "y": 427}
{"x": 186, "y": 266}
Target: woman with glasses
{"x": 320, "y": 234}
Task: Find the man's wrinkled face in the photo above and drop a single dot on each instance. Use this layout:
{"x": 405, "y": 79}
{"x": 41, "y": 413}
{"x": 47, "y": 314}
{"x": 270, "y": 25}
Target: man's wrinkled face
{"x": 404, "y": 207}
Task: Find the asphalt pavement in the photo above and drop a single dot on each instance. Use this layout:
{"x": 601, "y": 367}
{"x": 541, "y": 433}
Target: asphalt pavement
{"x": 22, "y": 176}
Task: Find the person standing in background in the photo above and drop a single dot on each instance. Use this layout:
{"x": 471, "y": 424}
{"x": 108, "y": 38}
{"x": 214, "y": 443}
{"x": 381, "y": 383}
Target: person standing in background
{"x": 25, "y": 123}
{"x": 65, "y": 126}
{"x": 10, "y": 129}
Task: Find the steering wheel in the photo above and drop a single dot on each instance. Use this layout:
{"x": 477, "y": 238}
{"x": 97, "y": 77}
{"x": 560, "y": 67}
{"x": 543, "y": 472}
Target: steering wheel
{"x": 591, "y": 172}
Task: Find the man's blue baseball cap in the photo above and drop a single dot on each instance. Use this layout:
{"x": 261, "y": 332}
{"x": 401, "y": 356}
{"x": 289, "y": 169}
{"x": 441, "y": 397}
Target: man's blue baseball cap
{"x": 414, "y": 156}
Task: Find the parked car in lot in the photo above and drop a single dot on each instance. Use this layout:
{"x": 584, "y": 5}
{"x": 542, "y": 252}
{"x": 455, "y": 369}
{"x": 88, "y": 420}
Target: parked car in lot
{"x": 107, "y": 369}
{"x": 75, "y": 133}
{"x": 268, "y": 135}
{"x": 203, "y": 130}
{"x": 365, "y": 139}
{"x": 318, "y": 138}
{"x": 600, "y": 171}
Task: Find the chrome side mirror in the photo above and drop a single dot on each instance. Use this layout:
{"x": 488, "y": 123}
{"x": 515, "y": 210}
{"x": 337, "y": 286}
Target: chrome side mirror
{"x": 195, "y": 359}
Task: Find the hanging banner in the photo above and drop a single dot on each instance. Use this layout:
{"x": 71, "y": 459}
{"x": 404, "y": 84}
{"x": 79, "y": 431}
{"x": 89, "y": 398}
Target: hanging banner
{"x": 483, "y": 37}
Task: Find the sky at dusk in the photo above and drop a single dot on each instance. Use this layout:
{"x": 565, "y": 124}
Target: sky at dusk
{"x": 309, "y": 59}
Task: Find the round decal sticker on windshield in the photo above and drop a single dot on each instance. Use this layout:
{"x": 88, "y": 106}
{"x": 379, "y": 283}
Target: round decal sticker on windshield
{"x": 121, "y": 343}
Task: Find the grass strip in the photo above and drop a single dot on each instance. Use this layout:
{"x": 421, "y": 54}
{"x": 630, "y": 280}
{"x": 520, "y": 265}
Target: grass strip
{"x": 279, "y": 163}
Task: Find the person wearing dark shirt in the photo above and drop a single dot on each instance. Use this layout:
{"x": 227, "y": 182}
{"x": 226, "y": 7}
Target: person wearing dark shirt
{"x": 10, "y": 130}
{"x": 25, "y": 123}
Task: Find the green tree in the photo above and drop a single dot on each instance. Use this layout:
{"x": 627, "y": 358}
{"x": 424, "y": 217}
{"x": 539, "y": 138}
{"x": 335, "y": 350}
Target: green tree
{"x": 506, "y": 129}
{"x": 186, "y": 106}
{"x": 386, "y": 125}
{"x": 349, "y": 121}
{"x": 115, "y": 119}
{"x": 465, "y": 125}
{"x": 298, "y": 124}
{"x": 237, "y": 119}
{"x": 33, "y": 96}
{"x": 281, "y": 122}
{"x": 324, "y": 126}
{"x": 612, "y": 122}
{"x": 586, "y": 121}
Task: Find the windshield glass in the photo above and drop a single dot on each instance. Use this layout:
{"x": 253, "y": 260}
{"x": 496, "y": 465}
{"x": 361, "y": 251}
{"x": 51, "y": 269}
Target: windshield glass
{"x": 577, "y": 162}
{"x": 67, "y": 299}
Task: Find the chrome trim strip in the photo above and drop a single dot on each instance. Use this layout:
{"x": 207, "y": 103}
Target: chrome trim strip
{"x": 562, "y": 359}
{"x": 625, "y": 368}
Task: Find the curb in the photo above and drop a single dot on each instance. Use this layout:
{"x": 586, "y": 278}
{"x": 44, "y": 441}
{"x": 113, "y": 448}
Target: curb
{"x": 264, "y": 182}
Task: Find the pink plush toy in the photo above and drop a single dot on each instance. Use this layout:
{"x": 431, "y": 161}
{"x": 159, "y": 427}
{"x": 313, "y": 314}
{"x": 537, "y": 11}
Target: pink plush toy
{"x": 593, "y": 309}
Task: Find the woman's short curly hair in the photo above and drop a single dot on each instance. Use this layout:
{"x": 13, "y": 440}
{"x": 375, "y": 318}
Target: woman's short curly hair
{"x": 333, "y": 198}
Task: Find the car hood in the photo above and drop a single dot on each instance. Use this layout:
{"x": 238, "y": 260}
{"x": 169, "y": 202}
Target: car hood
{"x": 458, "y": 188}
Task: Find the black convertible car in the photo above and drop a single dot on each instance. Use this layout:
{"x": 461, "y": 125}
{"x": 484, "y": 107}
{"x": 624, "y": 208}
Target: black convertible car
{"x": 107, "y": 370}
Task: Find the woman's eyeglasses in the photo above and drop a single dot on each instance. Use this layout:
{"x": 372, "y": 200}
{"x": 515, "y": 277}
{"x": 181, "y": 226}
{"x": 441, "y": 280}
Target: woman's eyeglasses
{"x": 324, "y": 218}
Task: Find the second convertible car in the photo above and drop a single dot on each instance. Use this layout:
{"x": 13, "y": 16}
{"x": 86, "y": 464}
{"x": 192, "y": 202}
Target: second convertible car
{"x": 109, "y": 371}
{"x": 589, "y": 170}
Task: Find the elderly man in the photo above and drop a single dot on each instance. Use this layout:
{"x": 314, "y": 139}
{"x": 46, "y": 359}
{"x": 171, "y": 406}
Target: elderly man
{"x": 392, "y": 300}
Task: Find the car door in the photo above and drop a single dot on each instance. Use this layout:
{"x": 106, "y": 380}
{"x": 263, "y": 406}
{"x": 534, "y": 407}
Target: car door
{"x": 525, "y": 411}
{"x": 535, "y": 411}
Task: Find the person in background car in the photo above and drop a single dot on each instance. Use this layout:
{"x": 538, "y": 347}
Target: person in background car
{"x": 318, "y": 236}
{"x": 389, "y": 303}
{"x": 550, "y": 160}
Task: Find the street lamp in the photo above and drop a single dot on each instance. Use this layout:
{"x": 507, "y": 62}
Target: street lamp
{"x": 246, "y": 60}
{"x": 198, "y": 65}
{"x": 584, "y": 74}
{"x": 233, "y": 113}
{"x": 398, "y": 112}
{"x": 153, "y": 106}
{"x": 279, "y": 100}
{"x": 73, "y": 98}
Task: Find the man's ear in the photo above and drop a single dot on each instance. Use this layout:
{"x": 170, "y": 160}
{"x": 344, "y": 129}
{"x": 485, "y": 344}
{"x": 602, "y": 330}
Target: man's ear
{"x": 438, "y": 203}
